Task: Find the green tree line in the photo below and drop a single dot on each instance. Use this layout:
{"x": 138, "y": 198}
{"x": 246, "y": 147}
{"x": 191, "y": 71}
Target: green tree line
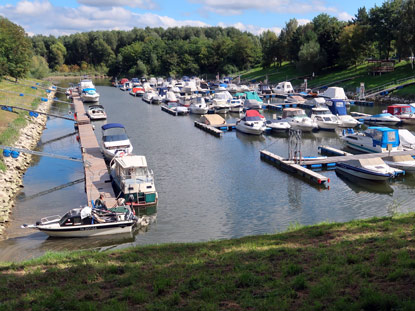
{"x": 380, "y": 32}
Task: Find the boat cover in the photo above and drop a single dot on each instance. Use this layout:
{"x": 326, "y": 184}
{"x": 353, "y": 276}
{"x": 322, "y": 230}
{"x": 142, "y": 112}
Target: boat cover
{"x": 111, "y": 126}
{"x": 212, "y": 119}
{"x": 253, "y": 95}
{"x": 253, "y": 113}
{"x": 338, "y": 107}
{"x": 335, "y": 92}
{"x": 406, "y": 138}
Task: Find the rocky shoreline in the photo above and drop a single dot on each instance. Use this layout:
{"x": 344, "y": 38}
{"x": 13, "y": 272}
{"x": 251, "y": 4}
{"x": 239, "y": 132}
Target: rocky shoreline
{"x": 11, "y": 181}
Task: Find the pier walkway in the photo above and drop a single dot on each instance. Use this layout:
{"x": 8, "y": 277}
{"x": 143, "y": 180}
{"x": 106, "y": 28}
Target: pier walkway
{"x": 97, "y": 179}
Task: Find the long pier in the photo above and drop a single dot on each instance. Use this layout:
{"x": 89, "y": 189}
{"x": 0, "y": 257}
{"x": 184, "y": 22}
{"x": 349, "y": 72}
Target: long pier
{"x": 97, "y": 178}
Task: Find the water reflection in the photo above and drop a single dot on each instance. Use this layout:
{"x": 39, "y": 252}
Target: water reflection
{"x": 359, "y": 185}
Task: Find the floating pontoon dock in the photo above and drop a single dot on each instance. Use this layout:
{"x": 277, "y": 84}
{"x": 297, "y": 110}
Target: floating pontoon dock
{"x": 97, "y": 179}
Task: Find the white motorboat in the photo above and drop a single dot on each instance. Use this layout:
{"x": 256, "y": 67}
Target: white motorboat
{"x": 133, "y": 181}
{"x": 87, "y": 222}
{"x": 324, "y": 119}
{"x": 298, "y": 119}
{"x": 283, "y": 88}
{"x": 253, "y": 123}
{"x": 90, "y": 95}
{"x": 137, "y": 91}
{"x": 378, "y": 119}
{"x": 126, "y": 86}
{"x": 403, "y": 112}
{"x": 338, "y": 108}
{"x": 278, "y": 125}
{"x": 406, "y": 139}
{"x": 402, "y": 162}
{"x": 335, "y": 92}
{"x": 181, "y": 110}
{"x": 252, "y": 101}
{"x": 373, "y": 139}
{"x": 170, "y": 97}
{"x": 220, "y": 102}
{"x": 371, "y": 169}
{"x": 156, "y": 99}
{"x": 148, "y": 95}
{"x": 96, "y": 112}
{"x": 236, "y": 105}
{"x": 115, "y": 141}
{"x": 198, "y": 106}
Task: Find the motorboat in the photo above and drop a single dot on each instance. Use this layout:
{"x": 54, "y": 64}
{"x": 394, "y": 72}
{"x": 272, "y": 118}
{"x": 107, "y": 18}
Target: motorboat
{"x": 314, "y": 102}
{"x": 96, "y": 112}
{"x": 126, "y": 86}
{"x": 220, "y": 102}
{"x": 252, "y": 123}
{"x": 87, "y": 222}
{"x": 379, "y": 119}
{"x": 236, "y": 105}
{"x": 133, "y": 181}
{"x": 403, "y": 112}
{"x": 298, "y": 119}
{"x": 294, "y": 100}
{"x": 115, "y": 141}
{"x": 283, "y": 88}
{"x": 252, "y": 101}
{"x": 334, "y": 92}
{"x": 148, "y": 95}
{"x": 338, "y": 108}
{"x": 373, "y": 139}
{"x": 137, "y": 91}
{"x": 372, "y": 169}
{"x": 278, "y": 125}
{"x": 170, "y": 97}
{"x": 406, "y": 139}
{"x": 157, "y": 99}
{"x": 180, "y": 110}
{"x": 324, "y": 119}
{"x": 402, "y": 162}
{"x": 198, "y": 106}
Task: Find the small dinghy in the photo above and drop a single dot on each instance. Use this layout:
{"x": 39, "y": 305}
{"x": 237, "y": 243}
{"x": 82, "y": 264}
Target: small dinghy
{"x": 87, "y": 221}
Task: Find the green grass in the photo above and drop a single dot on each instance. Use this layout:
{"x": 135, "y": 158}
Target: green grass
{"x": 357, "y": 74}
{"x": 359, "y": 265}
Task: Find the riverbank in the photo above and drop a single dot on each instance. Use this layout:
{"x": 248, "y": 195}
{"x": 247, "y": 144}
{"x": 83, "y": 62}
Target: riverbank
{"x": 358, "y": 265}
{"x": 11, "y": 178}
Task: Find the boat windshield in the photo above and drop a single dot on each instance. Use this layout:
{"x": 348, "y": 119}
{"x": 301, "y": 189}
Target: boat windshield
{"x": 114, "y": 137}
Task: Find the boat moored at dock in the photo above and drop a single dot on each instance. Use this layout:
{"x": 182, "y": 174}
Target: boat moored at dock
{"x": 133, "y": 181}
{"x": 115, "y": 141}
{"x": 372, "y": 169}
{"x": 252, "y": 123}
{"x": 96, "y": 112}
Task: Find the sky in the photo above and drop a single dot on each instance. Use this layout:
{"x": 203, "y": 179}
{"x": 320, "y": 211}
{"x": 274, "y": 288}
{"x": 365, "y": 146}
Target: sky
{"x": 63, "y": 17}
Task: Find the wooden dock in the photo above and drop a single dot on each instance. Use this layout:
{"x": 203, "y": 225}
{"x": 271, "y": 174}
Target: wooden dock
{"x": 97, "y": 178}
{"x": 209, "y": 129}
{"x": 168, "y": 110}
{"x": 294, "y": 168}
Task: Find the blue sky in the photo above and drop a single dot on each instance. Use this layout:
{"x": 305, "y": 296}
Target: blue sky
{"x": 60, "y": 17}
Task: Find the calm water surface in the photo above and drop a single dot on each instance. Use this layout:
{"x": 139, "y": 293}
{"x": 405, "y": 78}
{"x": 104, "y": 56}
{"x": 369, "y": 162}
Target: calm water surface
{"x": 209, "y": 188}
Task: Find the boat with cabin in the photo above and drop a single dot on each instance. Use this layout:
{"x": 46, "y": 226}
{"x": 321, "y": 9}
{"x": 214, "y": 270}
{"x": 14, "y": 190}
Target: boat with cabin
{"x": 278, "y": 125}
{"x": 324, "y": 119}
{"x": 338, "y": 108}
{"x": 236, "y": 105}
{"x": 403, "y": 112}
{"x": 198, "y": 106}
{"x": 137, "y": 91}
{"x": 252, "y": 123}
{"x": 378, "y": 119}
{"x": 283, "y": 88}
{"x": 298, "y": 119}
{"x": 87, "y": 222}
{"x": 373, "y": 139}
{"x": 133, "y": 181}
{"x": 115, "y": 141}
{"x": 252, "y": 101}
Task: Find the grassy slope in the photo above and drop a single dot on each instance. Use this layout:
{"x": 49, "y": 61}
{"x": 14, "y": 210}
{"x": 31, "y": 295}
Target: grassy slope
{"x": 11, "y": 122}
{"x": 359, "y": 74}
{"x": 360, "y": 265}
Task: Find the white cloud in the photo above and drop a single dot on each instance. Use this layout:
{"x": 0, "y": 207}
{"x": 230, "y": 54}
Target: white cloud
{"x": 62, "y": 21}
{"x": 237, "y": 7}
{"x": 303, "y": 21}
{"x": 143, "y": 4}
{"x": 256, "y": 30}
{"x": 344, "y": 16}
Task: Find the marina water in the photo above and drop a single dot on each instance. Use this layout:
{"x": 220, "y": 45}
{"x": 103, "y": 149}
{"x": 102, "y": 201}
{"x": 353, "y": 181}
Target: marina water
{"x": 209, "y": 188}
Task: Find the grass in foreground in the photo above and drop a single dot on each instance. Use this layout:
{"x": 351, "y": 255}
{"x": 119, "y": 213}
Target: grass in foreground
{"x": 360, "y": 265}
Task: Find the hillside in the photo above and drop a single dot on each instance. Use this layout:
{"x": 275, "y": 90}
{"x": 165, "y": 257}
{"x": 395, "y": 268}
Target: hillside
{"x": 349, "y": 78}
{"x": 360, "y": 265}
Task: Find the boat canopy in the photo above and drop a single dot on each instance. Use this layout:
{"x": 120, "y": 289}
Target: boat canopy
{"x": 253, "y": 113}
{"x": 335, "y": 92}
{"x": 95, "y": 106}
{"x": 88, "y": 89}
{"x": 382, "y": 115}
{"x": 111, "y": 126}
{"x": 399, "y": 109}
{"x": 383, "y": 136}
{"x": 253, "y": 95}
{"x": 132, "y": 161}
{"x": 212, "y": 119}
{"x": 338, "y": 106}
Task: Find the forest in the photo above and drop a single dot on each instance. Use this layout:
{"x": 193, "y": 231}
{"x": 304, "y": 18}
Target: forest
{"x": 381, "y": 32}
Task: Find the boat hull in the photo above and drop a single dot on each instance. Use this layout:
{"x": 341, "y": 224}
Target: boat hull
{"x": 362, "y": 172}
{"x": 88, "y": 230}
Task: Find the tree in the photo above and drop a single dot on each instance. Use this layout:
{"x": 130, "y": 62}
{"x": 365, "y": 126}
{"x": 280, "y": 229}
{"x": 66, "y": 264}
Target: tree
{"x": 407, "y": 26}
{"x": 15, "y": 50}
{"x": 354, "y": 47}
{"x": 268, "y": 41}
{"x": 57, "y": 55}
{"x": 39, "y": 67}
